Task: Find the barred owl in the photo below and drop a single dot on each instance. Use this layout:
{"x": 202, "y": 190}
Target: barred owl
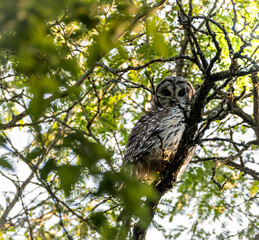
{"x": 157, "y": 134}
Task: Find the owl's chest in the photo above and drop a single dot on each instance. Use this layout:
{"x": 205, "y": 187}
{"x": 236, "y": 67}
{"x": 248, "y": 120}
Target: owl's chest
{"x": 172, "y": 133}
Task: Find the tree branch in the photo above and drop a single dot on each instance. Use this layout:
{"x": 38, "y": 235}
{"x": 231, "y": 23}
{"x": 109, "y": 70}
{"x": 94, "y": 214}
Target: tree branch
{"x": 229, "y": 74}
{"x": 159, "y": 60}
{"x": 15, "y": 200}
{"x": 255, "y": 80}
{"x": 14, "y": 120}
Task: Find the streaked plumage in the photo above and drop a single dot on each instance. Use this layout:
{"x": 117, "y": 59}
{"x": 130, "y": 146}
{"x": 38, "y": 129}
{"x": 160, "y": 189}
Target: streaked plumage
{"x": 157, "y": 134}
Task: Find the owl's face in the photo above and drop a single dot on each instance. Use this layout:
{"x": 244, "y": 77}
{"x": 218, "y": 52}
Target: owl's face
{"x": 173, "y": 91}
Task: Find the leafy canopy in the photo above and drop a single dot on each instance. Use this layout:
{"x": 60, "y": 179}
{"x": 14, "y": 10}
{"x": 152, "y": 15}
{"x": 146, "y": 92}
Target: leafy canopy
{"x": 76, "y": 75}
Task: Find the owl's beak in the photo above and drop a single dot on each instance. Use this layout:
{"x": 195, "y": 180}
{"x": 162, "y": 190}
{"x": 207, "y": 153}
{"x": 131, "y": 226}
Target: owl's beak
{"x": 173, "y": 102}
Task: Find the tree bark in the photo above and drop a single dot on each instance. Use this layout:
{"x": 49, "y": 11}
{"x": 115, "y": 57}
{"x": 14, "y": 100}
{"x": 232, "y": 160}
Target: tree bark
{"x": 255, "y": 80}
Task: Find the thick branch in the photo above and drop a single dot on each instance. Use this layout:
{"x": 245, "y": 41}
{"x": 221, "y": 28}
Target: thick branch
{"x": 239, "y": 73}
{"x": 180, "y": 63}
{"x": 239, "y": 112}
{"x": 255, "y": 80}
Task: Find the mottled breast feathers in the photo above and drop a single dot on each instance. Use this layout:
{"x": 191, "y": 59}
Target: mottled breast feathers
{"x": 156, "y": 136}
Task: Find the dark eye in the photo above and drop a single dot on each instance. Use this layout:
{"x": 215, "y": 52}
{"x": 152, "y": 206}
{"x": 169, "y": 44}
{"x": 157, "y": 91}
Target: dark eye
{"x": 166, "y": 92}
{"x": 181, "y": 93}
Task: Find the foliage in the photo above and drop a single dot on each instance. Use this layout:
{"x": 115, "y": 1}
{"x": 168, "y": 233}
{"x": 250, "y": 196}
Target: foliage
{"x": 75, "y": 77}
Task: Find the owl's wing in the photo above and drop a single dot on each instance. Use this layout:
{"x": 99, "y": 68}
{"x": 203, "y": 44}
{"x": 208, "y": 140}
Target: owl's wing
{"x": 143, "y": 135}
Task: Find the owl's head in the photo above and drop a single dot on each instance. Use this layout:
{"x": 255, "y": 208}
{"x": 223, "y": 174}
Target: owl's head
{"x": 173, "y": 91}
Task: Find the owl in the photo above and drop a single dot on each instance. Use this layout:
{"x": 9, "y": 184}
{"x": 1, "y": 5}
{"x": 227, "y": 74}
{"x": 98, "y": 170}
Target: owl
{"x": 156, "y": 136}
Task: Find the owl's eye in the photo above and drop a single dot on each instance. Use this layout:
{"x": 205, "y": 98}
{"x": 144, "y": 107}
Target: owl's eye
{"x": 166, "y": 92}
{"x": 181, "y": 93}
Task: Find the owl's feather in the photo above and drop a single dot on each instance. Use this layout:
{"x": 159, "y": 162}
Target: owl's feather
{"x": 154, "y": 138}
{"x": 157, "y": 134}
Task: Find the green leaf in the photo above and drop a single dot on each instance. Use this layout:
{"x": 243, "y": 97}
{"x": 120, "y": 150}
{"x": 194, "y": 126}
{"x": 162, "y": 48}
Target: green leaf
{"x": 122, "y": 51}
{"x": 37, "y": 107}
{"x": 160, "y": 45}
{"x": 89, "y": 153}
{"x": 49, "y": 166}
{"x": 3, "y": 140}
{"x": 254, "y": 188}
{"x": 69, "y": 176}
{"x": 34, "y": 153}
{"x": 98, "y": 219}
{"x": 5, "y": 162}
